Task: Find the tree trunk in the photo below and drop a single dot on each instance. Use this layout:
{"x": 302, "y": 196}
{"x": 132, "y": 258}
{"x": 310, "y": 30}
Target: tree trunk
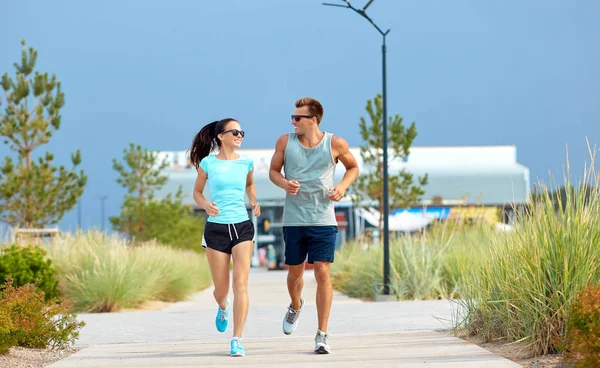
{"x": 140, "y": 214}
{"x": 28, "y": 216}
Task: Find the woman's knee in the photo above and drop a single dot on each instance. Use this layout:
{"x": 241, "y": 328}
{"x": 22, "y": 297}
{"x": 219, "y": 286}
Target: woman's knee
{"x": 221, "y": 291}
{"x": 240, "y": 284}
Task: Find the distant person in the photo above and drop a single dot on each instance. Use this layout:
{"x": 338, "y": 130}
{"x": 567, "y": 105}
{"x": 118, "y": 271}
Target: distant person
{"x": 228, "y": 232}
{"x": 309, "y": 157}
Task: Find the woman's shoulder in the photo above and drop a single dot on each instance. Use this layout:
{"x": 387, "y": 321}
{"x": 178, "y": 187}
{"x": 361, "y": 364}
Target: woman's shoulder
{"x": 244, "y": 157}
{"x": 207, "y": 160}
{"x": 247, "y": 161}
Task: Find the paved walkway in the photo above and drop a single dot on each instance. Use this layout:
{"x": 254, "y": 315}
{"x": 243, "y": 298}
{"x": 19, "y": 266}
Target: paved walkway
{"x": 362, "y": 334}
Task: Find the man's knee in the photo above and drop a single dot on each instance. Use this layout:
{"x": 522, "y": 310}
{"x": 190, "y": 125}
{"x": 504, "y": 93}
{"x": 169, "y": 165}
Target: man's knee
{"x": 322, "y": 272}
{"x": 295, "y": 273}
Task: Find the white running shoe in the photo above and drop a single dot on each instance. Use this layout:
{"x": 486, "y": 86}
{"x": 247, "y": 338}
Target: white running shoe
{"x": 290, "y": 321}
{"x": 321, "y": 346}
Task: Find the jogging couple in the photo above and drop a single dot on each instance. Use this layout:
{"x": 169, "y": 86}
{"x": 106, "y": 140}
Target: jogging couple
{"x": 308, "y": 157}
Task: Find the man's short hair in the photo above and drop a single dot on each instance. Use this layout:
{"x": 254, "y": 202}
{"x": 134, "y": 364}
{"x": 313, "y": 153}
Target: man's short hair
{"x": 314, "y": 107}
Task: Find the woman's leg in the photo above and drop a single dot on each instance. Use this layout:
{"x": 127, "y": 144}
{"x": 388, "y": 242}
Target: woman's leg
{"x": 219, "y": 269}
{"x": 242, "y": 255}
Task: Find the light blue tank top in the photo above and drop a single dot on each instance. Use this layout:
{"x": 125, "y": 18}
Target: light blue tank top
{"x": 314, "y": 169}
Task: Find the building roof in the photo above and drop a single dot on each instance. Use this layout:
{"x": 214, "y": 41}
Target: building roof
{"x": 483, "y": 175}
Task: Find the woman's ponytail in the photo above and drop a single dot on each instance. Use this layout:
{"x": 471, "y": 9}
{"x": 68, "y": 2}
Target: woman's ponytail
{"x": 206, "y": 141}
{"x": 203, "y": 144}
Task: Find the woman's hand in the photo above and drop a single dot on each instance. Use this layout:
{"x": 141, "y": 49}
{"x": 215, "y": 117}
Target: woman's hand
{"x": 211, "y": 209}
{"x": 255, "y": 209}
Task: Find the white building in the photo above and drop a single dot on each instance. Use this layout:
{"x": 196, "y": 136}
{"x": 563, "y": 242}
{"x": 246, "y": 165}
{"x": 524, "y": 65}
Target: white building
{"x": 461, "y": 176}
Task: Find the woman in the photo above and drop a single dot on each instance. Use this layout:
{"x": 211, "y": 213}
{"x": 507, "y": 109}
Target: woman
{"x": 228, "y": 231}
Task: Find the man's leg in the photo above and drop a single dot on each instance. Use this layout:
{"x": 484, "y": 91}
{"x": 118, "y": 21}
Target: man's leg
{"x": 324, "y": 294}
{"x": 295, "y": 256}
{"x": 295, "y": 283}
{"x": 321, "y": 251}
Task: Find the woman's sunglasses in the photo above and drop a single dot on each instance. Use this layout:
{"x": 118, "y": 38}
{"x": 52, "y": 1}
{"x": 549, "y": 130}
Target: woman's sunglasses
{"x": 235, "y": 132}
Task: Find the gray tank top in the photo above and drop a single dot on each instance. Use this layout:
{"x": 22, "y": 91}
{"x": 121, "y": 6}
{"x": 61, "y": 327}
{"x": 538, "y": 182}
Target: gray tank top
{"x": 313, "y": 168}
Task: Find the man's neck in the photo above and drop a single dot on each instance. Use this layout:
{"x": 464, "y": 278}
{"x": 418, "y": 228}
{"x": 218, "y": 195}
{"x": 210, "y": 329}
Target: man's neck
{"x": 312, "y": 138}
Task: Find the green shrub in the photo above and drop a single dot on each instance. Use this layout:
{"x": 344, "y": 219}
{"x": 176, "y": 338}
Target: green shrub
{"x": 6, "y": 326}
{"x": 428, "y": 266}
{"x": 29, "y": 264}
{"x": 583, "y": 329}
{"x": 356, "y": 272}
{"x": 524, "y": 289}
{"x": 102, "y": 273}
{"x": 28, "y": 320}
{"x": 166, "y": 221}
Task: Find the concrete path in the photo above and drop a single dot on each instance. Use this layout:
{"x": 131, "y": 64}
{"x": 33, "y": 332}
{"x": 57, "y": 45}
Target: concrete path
{"x": 362, "y": 334}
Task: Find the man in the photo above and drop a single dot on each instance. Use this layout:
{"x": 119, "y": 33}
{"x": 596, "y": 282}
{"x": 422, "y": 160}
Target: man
{"x": 309, "y": 157}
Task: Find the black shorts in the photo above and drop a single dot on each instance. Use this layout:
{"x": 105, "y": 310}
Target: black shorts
{"x": 318, "y": 242}
{"x": 223, "y": 237}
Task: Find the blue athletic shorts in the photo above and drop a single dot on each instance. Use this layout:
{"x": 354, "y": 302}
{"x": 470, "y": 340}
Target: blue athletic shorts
{"x": 318, "y": 242}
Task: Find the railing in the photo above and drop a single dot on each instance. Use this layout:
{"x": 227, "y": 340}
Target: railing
{"x": 34, "y": 236}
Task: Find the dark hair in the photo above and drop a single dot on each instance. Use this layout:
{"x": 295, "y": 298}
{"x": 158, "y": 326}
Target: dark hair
{"x": 204, "y": 141}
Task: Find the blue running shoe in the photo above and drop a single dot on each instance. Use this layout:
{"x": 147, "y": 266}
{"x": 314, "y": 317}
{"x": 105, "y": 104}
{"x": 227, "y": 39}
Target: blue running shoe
{"x": 222, "y": 320}
{"x": 236, "y": 347}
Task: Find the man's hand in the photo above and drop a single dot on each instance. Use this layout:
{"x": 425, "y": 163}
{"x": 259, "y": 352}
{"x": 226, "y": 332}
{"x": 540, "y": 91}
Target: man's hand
{"x": 255, "y": 209}
{"x": 337, "y": 193}
{"x": 292, "y": 187}
{"x": 211, "y": 209}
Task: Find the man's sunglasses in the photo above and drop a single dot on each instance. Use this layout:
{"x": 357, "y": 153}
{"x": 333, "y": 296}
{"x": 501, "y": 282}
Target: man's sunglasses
{"x": 298, "y": 117}
{"x": 235, "y": 132}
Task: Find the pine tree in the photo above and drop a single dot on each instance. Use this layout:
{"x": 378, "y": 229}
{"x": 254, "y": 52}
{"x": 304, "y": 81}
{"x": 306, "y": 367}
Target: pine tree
{"x": 143, "y": 216}
{"x": 402, "y": 191}
{"x": 34, "y": 193}
{"x": 141, "y": 177}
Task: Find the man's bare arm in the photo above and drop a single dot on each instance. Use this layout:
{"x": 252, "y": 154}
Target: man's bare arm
{"x": 342, "y": 153}
{"x": 290, "y": 186}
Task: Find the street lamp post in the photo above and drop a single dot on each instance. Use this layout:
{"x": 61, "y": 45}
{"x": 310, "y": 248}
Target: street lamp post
{"x": 386, "y": 207}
